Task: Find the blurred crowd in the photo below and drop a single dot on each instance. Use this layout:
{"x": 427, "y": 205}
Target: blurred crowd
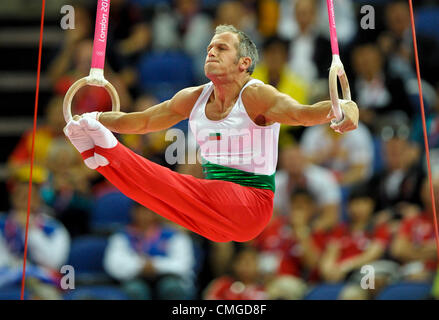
{"x": 341, "y": 201}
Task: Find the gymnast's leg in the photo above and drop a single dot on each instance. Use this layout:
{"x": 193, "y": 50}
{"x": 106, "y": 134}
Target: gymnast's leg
{"x": 218, "y": 210}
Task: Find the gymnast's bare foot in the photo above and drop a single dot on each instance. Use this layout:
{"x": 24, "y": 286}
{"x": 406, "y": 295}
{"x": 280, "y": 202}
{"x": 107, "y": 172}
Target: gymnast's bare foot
{"x": 100, "y": 135}
{"x": 82, "y": 142}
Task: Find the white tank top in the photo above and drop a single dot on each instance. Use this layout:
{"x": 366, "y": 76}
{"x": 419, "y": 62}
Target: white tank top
{"x": 235, "y": 142}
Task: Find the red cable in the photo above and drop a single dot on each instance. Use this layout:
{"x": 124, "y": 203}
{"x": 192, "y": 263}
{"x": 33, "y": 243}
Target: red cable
{"x": 33, "y": 146}
{"x": 427, "y": 150}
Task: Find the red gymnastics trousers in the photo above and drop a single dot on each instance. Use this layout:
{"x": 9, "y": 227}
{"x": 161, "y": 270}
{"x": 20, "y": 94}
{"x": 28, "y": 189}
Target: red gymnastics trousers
{"x": 218, "y": 210}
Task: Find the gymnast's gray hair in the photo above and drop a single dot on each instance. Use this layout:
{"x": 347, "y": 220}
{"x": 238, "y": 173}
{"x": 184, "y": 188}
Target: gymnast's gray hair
{"x": 246, "y": 47}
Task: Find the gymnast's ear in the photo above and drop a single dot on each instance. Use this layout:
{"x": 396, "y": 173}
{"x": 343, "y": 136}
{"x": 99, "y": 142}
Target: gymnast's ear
{"x": 244, "y": 63}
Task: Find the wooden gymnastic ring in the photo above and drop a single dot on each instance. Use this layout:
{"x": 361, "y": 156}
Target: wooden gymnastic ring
{"x": 67, "y": 103}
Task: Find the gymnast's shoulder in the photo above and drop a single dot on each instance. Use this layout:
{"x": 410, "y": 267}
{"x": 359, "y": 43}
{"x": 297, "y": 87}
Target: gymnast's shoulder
{"x": 259, "y": 94}
{"x": 189, "y": 94}
{"x": 191, "y": 91}
{"x": 184, "y": 100}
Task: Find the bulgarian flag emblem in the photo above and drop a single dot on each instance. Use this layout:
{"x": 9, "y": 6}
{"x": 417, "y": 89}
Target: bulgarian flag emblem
{"x": 215, "y": 136}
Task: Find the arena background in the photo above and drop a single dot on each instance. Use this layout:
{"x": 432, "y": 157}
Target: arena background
{"x": 343, "y": 202}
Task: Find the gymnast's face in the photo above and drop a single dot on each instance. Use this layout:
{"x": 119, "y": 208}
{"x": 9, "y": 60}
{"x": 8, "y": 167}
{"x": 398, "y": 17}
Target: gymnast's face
{"x": 222, "y": 56}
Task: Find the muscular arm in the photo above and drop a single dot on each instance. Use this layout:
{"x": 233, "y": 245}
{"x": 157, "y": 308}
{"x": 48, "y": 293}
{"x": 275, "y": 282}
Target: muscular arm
{"x": 156, "y": 118}
{"x": 279, "y": 107}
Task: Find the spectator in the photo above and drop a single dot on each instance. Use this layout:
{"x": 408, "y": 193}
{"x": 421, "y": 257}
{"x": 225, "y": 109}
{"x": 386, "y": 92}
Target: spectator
{"x": 273, "y": 69}
{"x": 288, "y": 245}
{"x": 67, "y": 190}
{"x": 82, "y": 31}
{"x": 414, "y": 244}
{"x": 298, "y": 173}
{"x": 240, "y": 14}
{"x": 396, "y": 44}
{"x": 152, "y": 260}
{"x": 221, "y": 257}
{"x": 129, "y": 35}
{"x": 286, "y": 288}
{"x": 67, "y": 68}
{"x": 186, "y": 28}
{"x": 309, "y": 52}
{"x": 46, "y": 134}
{"x": 376, "y": 92}
{"x": 349, "y": 156}
{"x": 356, "y": 243}
{"x": 242, "y": 284}
{"x": 345, "y": 19}
{"x": 48, "y": 243}
{"x": 268, "y": 16}
{"x": 401, "y": 177}
{"x": 432, "y": 126}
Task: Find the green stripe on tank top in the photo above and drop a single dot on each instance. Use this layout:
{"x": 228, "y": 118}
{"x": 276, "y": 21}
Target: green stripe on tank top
{"x": 214, "y": 171}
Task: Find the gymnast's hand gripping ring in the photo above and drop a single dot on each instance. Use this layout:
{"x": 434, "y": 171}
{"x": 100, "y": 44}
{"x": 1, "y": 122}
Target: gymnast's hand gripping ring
{"x": 337, "y": 69}
{"x": 95, "y": 78}
{"x": 337, "y": 72}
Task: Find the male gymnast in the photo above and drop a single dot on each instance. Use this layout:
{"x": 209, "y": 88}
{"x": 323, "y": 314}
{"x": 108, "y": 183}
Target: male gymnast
{"x": 235, "y": 120}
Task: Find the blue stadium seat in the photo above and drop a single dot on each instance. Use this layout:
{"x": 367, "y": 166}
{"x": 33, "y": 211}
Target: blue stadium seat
{"x": 428, "y": 93}
{"x": 150, "y": 3}
{"x": 325, "y": 292}
{"x": 111, "y": 211}
{"x": 427, "y": 21}
{"x": 164, "y": 73}
{"x": 377, "y": 155}
{"x": 199, "y": 255}
{"x": 372, "y": 2}
{"x": 86, "y": 257}
{"x": 210, "y": 4}
{"x": 12, "y": 293}
{"x": 96, "y": 293}
{"x": 406, "y": 291}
